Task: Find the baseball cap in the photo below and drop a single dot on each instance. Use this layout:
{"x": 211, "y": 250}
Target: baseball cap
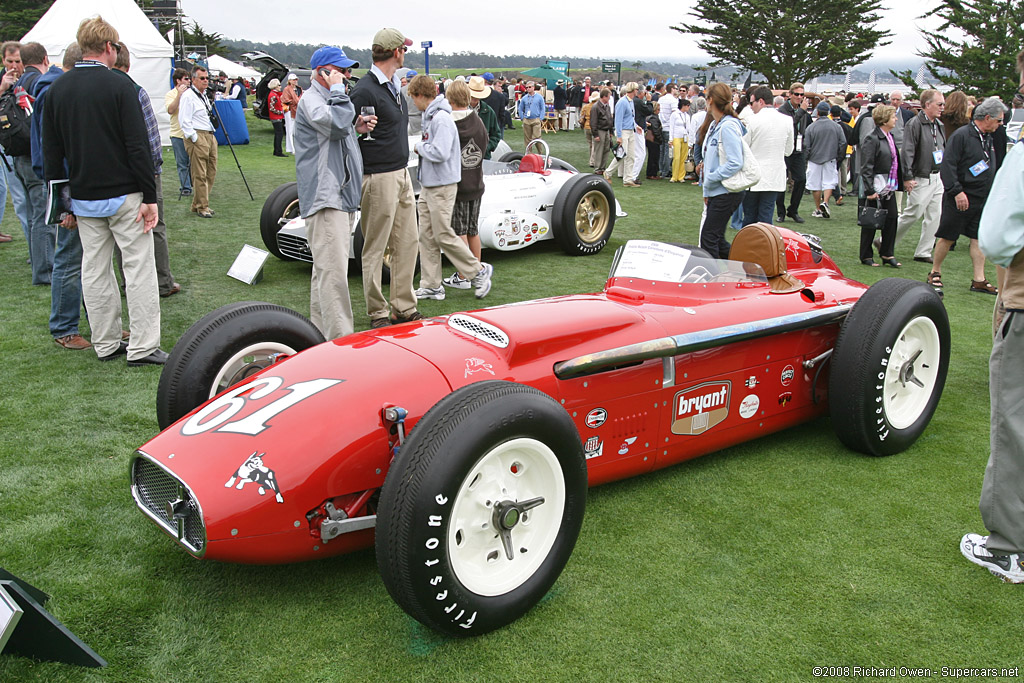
{"x": 331, "y": 56}
{"x": 823, "y": 108}
{"x": 488, "y": 76}
{"x": 878, "y": 99}
{"x": 391, "y": 39}
{"x": 410, "y": 73}
{"x": 292, "y": 77}
{"x": 478, "y": 88}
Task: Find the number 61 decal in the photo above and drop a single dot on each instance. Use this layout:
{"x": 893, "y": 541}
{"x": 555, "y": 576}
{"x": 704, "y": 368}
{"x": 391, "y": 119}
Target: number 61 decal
{"x": 218, "y": 414}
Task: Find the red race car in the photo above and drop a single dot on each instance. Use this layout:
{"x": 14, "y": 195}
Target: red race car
{"x": 461, "y": 446}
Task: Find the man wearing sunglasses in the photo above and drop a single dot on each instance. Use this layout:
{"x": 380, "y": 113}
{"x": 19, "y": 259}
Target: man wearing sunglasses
{"x": 796, "y": 163}
{"x": 197, "y": 127}
{"x": 329, "y": 173}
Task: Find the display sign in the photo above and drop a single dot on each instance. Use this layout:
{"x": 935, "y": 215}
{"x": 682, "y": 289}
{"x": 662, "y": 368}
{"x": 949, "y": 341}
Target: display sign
{"x": 426, "y": 44}
{"x": 701, "y": 80}
{"x": 652, "y": 261}
{"x": 248, "y": 265}
{"x": 611, "y": 67}
{"x": 10, "y": 613}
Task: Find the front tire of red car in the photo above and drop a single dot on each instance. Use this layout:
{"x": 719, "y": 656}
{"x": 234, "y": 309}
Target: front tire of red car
{"x": 889, "y": 367}
{"x": 481, "y": 508}
{"x": 225, "y": 347}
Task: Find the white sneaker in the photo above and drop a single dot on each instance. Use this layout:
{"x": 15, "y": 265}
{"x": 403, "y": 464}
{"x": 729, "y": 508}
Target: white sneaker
{"x": 817, "y": 214}
{"x": 430, "y": 293}
{"x": 1009, "y": 568}
{"x": 482, "y": 281}
{"x": 823, "y": 208}
{"x": 456, "y": 281}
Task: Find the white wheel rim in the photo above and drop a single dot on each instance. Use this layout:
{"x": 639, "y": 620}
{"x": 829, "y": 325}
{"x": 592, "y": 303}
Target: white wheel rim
{"x": 912, "y": 371}
{"x": 246, "y": 362}
{"x": 518, "y": 470}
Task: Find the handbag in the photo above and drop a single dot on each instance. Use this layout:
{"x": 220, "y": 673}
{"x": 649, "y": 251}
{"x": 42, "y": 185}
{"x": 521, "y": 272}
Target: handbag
{"x": 872, "y": 217}
{"x": 748, "y": 175}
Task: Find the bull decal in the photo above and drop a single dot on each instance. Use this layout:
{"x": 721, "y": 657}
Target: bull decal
{"x": 254, "y": 471}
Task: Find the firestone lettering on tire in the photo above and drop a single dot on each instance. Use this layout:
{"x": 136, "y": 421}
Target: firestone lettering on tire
{"x": 459, "y": 618}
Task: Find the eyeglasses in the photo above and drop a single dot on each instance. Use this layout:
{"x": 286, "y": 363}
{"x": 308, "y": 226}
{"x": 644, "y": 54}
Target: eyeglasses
{"x": 797, "y": 94}
{"x": 404, "y": 48}
{"x": 201, "y": 78}
{"x": 116, "y": 46}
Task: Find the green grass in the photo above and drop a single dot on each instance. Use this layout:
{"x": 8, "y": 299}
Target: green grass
{"x": 755, "y": 563}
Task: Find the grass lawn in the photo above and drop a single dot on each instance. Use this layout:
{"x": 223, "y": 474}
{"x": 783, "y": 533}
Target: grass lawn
{"x": 756, "y": 563}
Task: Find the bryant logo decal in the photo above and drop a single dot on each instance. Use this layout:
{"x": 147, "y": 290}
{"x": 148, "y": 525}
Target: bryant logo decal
{"x": 698, "y": 409}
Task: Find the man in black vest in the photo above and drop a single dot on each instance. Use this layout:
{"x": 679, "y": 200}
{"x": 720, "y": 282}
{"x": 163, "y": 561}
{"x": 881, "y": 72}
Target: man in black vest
{"x": 388, "y": 206}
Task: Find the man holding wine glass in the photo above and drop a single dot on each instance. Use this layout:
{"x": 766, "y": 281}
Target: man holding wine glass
{"x": 388, "y": 206}
{"x": 328, "y": 170}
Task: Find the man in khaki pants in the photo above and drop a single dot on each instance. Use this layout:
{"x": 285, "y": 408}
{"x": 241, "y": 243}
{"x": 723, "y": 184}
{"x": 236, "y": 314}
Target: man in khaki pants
{"x": 388, "y": 217}
{"x": 200, "y": 143}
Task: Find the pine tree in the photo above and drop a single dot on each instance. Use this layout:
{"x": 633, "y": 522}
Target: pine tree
{"x": 787, "y": 41}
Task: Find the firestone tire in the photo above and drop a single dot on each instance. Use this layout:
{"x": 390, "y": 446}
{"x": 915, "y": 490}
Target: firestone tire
{"x": 493, "y": 468}
{"x": 584, "y": 215}
{"x": 283, "y": 202}
{"x": 226, "y": 347}
{"x": 889, "y": 367}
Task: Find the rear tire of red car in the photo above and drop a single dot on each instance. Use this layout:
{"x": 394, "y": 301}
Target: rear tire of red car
{"x": 889, "y": 367}
{"x": 283, "y": 202}
{"x": 494, "y": 468}
{"x": 226, "y": 347}
{"x": 583, "y": 215}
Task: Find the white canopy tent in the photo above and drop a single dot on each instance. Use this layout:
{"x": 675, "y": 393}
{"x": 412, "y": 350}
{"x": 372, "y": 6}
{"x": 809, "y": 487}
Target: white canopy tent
{"x": 230, "y": 69}
{"x": 151, "y": 54}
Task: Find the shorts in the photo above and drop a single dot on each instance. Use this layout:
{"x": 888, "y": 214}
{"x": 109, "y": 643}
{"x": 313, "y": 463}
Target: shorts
{"x": 822, "y": 176}
{"x": 955, "y": 222}
{"x": 465, "y": 217}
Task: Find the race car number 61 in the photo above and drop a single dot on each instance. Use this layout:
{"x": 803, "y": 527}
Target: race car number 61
{"x": 227, "y": 406}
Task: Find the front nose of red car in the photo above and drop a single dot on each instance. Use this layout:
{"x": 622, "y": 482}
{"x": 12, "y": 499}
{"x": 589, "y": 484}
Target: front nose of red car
{"x": 169, "y": 502}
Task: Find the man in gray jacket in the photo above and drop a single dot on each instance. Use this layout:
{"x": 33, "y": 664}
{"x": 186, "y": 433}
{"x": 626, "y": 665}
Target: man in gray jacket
{"x": 824, "y": 141}
{"x": 329, "y": 172}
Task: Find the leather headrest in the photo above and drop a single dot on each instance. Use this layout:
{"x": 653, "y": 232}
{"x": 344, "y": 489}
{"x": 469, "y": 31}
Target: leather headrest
{"x": 532, "y": 163}
{"x": 761, "y": 243}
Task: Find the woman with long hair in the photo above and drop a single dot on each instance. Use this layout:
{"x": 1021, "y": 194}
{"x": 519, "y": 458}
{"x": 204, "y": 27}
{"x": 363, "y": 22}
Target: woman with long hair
{"x": 721, "y": 137}
{"x": 957, "y": 112}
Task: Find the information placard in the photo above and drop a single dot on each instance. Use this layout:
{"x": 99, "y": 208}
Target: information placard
{"x": 248, "y": 265}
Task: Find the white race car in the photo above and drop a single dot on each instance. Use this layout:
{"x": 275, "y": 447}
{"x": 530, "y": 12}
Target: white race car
{"x": 528, "y": 198}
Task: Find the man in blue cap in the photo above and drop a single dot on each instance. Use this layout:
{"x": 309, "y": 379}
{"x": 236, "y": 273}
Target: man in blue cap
{"x": 329, "y": 173}
{"x": 496, "y": 101}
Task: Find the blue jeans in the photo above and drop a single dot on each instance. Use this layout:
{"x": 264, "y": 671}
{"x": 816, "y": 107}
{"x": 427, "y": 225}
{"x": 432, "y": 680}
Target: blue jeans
{"x": 66, "y": 287}
{"x": 42, "y": 237}
{"x": 759, "y": 207}
{"x": 666, "y": 161}
{"x": 738, "y": 220}
{"x": 182, "y": 162}
{"x": 18, "y": 196}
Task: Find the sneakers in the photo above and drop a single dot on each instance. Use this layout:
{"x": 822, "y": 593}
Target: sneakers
{"x": 436, "y": 293}
{"x": 817, "y": 214}
{"x": 456, "y": 282}
{"x": 1009, "y": 568}
{"x": 482, "y": 281}
{"x": 823, "y": 209}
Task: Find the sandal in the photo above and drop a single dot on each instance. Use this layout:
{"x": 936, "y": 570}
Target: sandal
{"x": 869, "y": 262}
{"x": 890, "y": 261}
{"x": 934, "y": 279}
{"x": 4, "y": 237}
{"x": 983, "y": 286}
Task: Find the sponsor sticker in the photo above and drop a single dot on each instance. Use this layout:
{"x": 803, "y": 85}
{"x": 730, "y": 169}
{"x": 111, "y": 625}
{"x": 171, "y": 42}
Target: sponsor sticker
{"x": 749, "y": 406}
{"x": 751, "y": 382}
{"x": 596, "y": 417}
{"x": 593, "y": 448}
{"x": 624, "y": 448}
{"x": 788, "y": 373}
{"x": 785, "y": 398}
{"x": 698, "y": 409}
{"x": 253, "y": 471}
{"x": 474, "y": 365}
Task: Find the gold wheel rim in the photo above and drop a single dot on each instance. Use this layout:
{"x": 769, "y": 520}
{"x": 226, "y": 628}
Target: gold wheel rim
{"x": 592, "y": 215}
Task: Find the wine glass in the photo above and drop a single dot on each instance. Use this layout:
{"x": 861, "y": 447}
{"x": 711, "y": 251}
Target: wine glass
{"x": 366, "y": 113}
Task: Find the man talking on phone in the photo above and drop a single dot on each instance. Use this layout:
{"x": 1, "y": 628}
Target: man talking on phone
{"x": 329, "y": 174}
{"x": 388, "y": 207}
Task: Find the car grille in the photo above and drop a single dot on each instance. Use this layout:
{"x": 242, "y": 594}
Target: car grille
{"x": 479, "y": 329}
{"x": 294, "y": 247}
{"x": 153, "y": 489}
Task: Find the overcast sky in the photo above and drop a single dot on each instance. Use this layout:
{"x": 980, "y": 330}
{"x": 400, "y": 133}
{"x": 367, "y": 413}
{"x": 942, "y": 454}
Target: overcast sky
{"x": 592, "y": 28}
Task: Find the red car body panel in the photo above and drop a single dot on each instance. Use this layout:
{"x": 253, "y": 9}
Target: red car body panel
{"x": 335, "y": 443}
